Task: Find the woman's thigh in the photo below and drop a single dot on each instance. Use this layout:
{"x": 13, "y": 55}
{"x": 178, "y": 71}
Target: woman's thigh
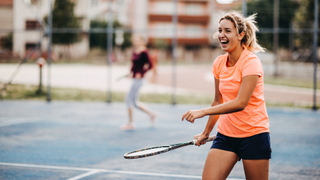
{"x": 256, "y": 169}
{"x": 219, "y": 164}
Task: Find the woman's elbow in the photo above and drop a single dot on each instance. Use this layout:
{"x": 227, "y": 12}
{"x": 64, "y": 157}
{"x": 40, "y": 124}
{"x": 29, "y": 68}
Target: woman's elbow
{"x": 241, "y": 105}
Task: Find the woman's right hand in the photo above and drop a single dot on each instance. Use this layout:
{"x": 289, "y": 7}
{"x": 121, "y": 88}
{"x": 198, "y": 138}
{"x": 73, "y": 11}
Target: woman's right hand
{"x": 138, "y": 76}
{"x": 200, "y": 137}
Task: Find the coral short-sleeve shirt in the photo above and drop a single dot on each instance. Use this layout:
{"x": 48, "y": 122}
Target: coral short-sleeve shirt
{"x": 254, "y": 118}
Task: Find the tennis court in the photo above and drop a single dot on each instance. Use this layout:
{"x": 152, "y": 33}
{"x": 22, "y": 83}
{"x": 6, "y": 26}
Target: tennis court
{"x": 82, "y": 140}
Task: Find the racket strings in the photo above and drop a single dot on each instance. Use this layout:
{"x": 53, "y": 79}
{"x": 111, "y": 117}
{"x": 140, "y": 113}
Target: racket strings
{"x": 147, "y": 152}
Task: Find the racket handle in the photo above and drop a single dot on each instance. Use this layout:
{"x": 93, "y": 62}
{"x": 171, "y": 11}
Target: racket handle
{"x": 211, "y": 138}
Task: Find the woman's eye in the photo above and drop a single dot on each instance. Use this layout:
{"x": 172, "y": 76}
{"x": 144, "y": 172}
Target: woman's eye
{"x": 220, "y": 30}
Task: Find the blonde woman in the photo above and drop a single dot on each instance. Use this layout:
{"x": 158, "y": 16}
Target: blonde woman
{"x": 243, "y": 126}
{"x": 141, "y": 64}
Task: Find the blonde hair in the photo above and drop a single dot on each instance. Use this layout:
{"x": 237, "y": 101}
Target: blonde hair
{"x": 141, "y": 37}
{"x": 248, "y": 26}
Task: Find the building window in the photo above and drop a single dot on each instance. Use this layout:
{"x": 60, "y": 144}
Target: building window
{"x": 32, "y": 25}
{"x": 34, "y": 2}
{"x": 193, "y": 9}
{"x": 163, "y": 30}
{"x": 30, "y": 46}
{"x": 193, "y": 31}
{"x": 94, "y": 3}
{"x": 163, "y": 8}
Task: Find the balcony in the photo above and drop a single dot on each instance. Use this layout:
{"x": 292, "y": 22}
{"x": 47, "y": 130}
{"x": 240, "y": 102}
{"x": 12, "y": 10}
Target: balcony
{"x": 197, "y": 19}
{"x": 184, "y": 40}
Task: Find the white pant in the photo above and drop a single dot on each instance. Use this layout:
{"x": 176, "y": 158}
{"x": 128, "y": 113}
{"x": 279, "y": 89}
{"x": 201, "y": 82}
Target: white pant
{"x": 133, "y": 95}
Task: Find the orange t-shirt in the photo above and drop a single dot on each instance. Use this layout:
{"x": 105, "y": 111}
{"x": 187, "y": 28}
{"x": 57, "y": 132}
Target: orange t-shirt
{"x": 254, "y": 118}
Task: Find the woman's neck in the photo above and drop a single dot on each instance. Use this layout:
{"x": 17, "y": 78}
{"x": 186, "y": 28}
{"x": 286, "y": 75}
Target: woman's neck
{"x": 139, "y": 49}
{"x": 234, "y": 56}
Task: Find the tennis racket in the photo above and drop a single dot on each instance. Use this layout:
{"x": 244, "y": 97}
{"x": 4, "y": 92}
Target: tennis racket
{"x": 161, "y": 149}
{"x": 122, "y": 77}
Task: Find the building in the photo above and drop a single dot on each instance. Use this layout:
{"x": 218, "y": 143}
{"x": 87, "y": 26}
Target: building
{"x": 28, "y": 31}
{"x": 227, "y": 4}
{"x": 193, "y": 21}
{"x": 154, "y": 19}
{"x": 197, "y": 20}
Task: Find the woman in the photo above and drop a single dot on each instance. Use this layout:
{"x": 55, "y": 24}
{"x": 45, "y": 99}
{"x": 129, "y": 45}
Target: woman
{"x": 243, "y": 128}
{"x": 140, "y": 65}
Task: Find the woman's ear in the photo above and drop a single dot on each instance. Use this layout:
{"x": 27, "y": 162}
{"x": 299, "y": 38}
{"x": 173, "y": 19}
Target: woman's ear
{"x": 241, "y": 35}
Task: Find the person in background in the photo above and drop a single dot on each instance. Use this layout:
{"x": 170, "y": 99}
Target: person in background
{"x": 141, "y": 64}
{"x": 239, "y": 105}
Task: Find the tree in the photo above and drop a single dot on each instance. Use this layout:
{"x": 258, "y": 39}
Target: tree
{"x": 63, "y": 17}
{"x": 99, "y": 40}
{"x": 264, "y": 9}
{"x": 304, "y": 18}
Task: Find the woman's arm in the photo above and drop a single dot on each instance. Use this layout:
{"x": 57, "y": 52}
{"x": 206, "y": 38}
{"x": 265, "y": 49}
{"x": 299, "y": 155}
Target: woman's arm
{"x": 147, "y": 61}
{"x": 212, "y": 120}
{"x": 247, "y": 87}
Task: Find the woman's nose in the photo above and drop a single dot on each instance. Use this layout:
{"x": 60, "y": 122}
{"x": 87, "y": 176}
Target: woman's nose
{"x": 220, "y": 34}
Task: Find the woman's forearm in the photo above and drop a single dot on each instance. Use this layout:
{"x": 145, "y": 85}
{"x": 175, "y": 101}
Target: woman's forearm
{"x": 212, "y": 120}
{"x": 225, "y": 108}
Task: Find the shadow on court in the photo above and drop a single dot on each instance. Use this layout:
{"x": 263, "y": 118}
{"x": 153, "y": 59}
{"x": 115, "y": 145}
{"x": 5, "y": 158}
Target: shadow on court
{"x": 78, "y": 140}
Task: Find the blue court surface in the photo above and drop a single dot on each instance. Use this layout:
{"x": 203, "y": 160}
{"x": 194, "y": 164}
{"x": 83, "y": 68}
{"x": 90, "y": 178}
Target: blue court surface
{"x": 82, "y": 140}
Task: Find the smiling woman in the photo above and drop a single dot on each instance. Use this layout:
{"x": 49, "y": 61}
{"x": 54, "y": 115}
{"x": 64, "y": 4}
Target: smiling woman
{"x": 243, "y": 128}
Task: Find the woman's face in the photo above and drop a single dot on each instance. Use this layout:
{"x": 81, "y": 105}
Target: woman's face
{"x": 228, "y": 36}
{"x": 137, "y": 41}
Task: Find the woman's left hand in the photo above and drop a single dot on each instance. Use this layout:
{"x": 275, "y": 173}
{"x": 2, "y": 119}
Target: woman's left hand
{"x": 193, "y": 114}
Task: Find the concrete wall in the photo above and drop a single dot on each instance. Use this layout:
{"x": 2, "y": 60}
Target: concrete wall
{"x": 287, "y": 69}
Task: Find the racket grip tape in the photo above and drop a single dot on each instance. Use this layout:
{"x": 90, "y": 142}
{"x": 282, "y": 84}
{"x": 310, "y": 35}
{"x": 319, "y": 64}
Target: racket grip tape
{"x": 211, "y": 138}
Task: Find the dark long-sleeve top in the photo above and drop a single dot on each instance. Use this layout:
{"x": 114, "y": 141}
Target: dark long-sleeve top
{"x": 141, "y": 63}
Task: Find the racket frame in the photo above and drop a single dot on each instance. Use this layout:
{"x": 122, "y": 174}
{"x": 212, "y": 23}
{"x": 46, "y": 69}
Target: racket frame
{"x": 169, "y": 148}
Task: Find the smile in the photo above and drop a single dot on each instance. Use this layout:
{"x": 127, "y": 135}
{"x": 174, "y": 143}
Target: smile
{"x": 224, "y": 42}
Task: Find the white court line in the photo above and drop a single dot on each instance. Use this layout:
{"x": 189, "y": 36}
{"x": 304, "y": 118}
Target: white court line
{"x": 84, "y": 175}
{"x": 15, "y": 121}
{"x": 93, "y": 171}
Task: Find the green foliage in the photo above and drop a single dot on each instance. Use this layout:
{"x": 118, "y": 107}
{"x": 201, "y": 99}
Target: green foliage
{"x": 304, "y": 18}
{"x": 160, "y": 44}
{"x": 15, "y": 91}
{"x": 100, "y": 40}
{"x": 264, "y": 9}
{"x": 63, "y": 17}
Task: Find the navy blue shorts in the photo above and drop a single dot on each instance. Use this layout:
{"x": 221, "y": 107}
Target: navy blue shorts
{"x": 253, "y": 147}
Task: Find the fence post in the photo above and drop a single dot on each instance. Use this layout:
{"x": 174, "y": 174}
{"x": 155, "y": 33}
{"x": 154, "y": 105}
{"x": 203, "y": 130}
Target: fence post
{"x": 244, "y": 8}
{"x": 315, "y": 55}
{"x": 109, "y": 52}
{"x": 275, "y": 35}
{"x": 49, "y": 34}
{"x": 174, "y": 53}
